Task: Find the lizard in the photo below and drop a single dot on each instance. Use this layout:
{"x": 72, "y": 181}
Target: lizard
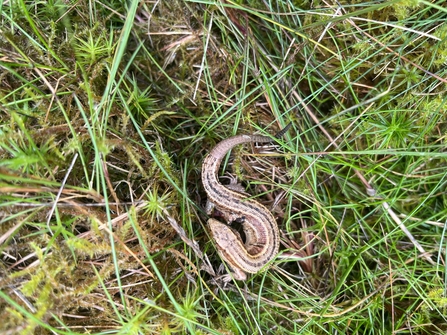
{"x": 258, "y": 223}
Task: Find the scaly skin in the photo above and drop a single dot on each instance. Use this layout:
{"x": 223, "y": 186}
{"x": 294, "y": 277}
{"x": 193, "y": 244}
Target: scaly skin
{"x": 260, "y": 228}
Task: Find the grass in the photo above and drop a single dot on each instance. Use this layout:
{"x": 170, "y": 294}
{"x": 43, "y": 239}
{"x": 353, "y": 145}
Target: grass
{"x": 108, "y": 109}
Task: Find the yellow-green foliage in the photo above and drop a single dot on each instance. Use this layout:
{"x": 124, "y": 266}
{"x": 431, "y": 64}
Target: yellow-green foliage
{"x": 107, "y": 109}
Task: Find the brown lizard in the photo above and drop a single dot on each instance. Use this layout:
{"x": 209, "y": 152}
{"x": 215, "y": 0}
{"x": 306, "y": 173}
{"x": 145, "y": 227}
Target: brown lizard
{"x": 259, "y": 225}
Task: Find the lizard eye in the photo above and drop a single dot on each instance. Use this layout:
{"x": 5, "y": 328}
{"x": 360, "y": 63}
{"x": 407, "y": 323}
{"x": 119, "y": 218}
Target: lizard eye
{"x": 240, "y": 220}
